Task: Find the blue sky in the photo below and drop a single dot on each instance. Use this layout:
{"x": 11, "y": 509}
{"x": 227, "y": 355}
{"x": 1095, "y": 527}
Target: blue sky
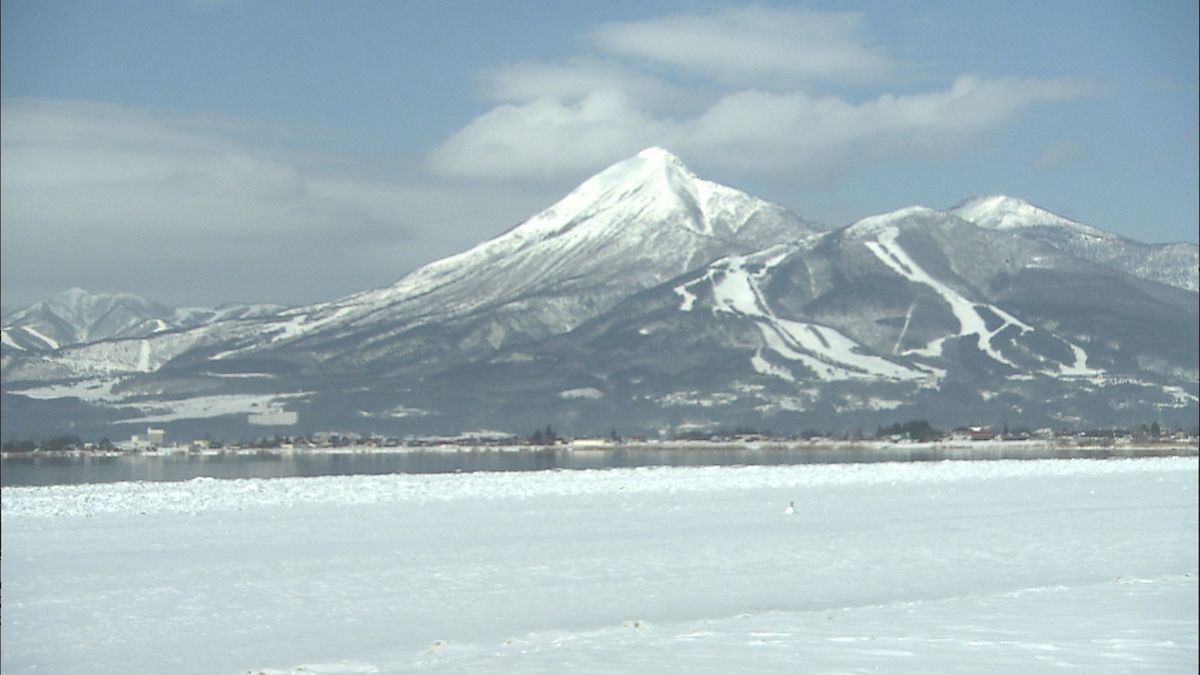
{"x": 200, "y": 152}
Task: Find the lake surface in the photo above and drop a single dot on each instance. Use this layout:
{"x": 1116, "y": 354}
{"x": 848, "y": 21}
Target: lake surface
{"x": 67, "y": 470}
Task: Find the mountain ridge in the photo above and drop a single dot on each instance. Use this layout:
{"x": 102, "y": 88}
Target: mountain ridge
{"x": 635, "y": 224}
{"x": 77, "y": 316}
{"x": 652, "y": 295}
{"x": 1176, "y": 264}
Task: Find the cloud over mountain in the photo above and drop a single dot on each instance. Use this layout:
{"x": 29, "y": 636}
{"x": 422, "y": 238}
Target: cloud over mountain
{"x": 753, "y": 44}
{"x": 767, "y": 90}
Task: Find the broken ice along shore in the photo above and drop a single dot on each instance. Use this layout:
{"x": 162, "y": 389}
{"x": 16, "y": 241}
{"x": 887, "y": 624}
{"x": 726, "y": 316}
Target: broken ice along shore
{"x": 174, "y": 464}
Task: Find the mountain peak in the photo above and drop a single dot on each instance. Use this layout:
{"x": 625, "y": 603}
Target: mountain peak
{"x": 652, "y": 180}
{"x": 77, "y": 301}
{"x": 872, "y": 225}
{"x": 72, "y": 297}
{"x": 636, "y": 223}
{"x": 73, "y": 293}
{"x": 1174, "y": 267}
{"x": 650, "y": 164}
{"x": 1003, "y": 212}
{"x": 660, "y": 154}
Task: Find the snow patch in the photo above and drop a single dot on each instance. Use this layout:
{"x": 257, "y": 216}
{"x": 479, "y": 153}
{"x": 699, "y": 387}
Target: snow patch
{"x": 1180, "y": 398}
{"x": 765, "y": 367}
{"x": 825, "y": 351}
{"x": 1080, "y": 366}
{"x": 689, "y": 300}
{"x": 515, "y": 357}
{"x": 684, "y": 399}
{"x": 49, "y": 341}
{"x": 241, "y": 376}
{"x": 403, "y": 412}
{"x": 90, "y": 390}
{"x": 7, "y": 340}
{"x": 144, "y": 356}
{"x": 890, "y": 253}
{"x": 201, "y": 407}
{"x": 582, "y": 392}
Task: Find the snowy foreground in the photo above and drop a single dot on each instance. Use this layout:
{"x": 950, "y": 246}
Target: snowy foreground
{"x": 1075, "y": 565}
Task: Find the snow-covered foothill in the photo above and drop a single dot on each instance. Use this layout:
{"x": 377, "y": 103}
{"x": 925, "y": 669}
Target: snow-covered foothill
{"x": 1175, "y": 264}
{"x": 1002, "y": 212}
{"x": 734, "y": 285}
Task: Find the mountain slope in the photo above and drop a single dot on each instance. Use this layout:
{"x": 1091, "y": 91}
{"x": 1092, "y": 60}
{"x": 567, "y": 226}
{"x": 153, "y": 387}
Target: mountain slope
{"x": 649, "y": 298}
{"x": 634, "y": 225}
{"x": 1175, "y": 264}
{"x": 913, "y": 314}
{"x": 77, "y": 316}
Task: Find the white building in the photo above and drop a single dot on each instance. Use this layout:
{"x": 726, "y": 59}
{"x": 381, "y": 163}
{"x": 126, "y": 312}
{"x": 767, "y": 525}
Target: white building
{"x": 154, "y": 438}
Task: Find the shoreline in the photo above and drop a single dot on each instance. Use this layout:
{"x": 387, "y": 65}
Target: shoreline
{"x": 1179, "y": 448}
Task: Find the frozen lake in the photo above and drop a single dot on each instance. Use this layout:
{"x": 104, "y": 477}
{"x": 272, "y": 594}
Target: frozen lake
{"x": 1079, "y": 565}
{"x": 50, "y": 469}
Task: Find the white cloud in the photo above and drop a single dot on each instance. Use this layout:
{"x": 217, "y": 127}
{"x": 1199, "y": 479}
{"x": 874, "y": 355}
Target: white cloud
{"x": 576, "y": 79}
{"x": 740, "y": 89}
{"x": 117, "y": 198}
{"x": 1063, "y": 153}
{"x": 543, "y": 138}
{"x": 793, "y": 132}
{"x": 754, "y": 44}
{"x": 757, "y": 129}
{"x": 82, "y": 167}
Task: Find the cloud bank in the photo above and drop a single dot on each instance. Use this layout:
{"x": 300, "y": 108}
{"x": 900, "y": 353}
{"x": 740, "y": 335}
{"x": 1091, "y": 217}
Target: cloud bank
{"x": 761, "y": 90}
{"x": 112, "y": 198}
{"x": 753, "y": 44}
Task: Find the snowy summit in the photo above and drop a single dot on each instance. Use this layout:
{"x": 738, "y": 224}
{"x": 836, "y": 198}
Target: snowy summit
{"x": 1001, "y": 212}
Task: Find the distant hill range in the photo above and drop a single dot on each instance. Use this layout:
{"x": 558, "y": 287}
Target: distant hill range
{"x": 650, "y": 299}
{"x": 76, "y": 317}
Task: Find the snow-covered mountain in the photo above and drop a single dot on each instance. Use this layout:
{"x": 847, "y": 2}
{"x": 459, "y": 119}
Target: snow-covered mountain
{"x": 1176, "y": 264}
{"x": 649, "y": 297}
{"x": 912, "y": 314}
{"x": 76, "y": 317}
{"x": 190, "y": 317}
{"x": 634, "y": 225}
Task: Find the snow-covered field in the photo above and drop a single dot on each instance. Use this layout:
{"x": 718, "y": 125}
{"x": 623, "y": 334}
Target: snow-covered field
{"x": 1075, "y": 565}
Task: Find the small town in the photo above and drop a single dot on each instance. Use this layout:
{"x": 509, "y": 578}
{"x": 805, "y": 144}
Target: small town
{"x": 156, "y": 440}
